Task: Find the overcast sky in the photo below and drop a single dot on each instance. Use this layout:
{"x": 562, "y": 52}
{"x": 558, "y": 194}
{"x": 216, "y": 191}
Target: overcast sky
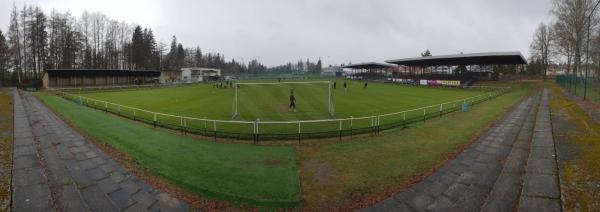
{"x": 337, "y": 31}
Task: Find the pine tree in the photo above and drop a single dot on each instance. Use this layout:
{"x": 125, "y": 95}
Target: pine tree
{"x": 180, "y": 56}
{"x": 137, "y": 47}
{"x": 198, "y": 57}
{"x": 150, "y": 50}
{"x": 4, "y": 58}
{"x": 319, "y": 66}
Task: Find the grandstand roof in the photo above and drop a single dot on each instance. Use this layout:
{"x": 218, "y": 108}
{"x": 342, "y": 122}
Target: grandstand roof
{"x": 484, "y": 58}
{"x": 101, "y": 71}
{"x": 369, "y": 65}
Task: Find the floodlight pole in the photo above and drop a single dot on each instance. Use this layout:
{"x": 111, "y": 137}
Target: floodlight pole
{"x": 235, "y": 100}
{"x": 329, "y": 97}
{"x": 587, "y": 50}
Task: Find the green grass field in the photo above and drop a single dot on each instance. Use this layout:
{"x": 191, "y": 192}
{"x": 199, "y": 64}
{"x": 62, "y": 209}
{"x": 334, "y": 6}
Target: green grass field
{"x": 270, "y": 102}
{"x": 239, "y": 173}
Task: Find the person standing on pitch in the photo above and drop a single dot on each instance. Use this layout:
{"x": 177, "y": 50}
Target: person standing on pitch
{"x": 345, "y": 87}
{"x": 365, "y": 85}
{"x": 334, "y": 85}
{"x": 292, "y": 101}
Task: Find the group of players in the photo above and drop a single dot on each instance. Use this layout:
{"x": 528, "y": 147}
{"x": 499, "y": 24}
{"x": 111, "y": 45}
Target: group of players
{"x": 293, "y": 98}
{"x": 226, "y": 84}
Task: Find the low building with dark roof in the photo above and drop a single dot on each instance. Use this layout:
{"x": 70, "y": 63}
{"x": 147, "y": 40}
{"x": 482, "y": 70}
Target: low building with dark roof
{"x": 70, "y": 78}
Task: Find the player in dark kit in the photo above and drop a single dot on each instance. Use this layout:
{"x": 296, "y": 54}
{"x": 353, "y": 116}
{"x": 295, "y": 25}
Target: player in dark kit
{"x": 365, "y": 85}
{"x": 292, "y": 101}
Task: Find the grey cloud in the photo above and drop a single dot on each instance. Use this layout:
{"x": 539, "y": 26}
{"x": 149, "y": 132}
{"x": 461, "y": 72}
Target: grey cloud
{"x": 338, "y": 31}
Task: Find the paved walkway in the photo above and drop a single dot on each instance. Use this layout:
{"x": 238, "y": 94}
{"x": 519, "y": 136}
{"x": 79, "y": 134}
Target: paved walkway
{"x": 56, "y": 169}
{"x": 510, "y": 167}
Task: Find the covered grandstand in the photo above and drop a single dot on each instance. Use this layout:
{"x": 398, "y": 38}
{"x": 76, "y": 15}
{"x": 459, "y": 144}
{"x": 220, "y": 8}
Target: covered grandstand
{"x": 65, "y": 78}
{"x": 462, "y": 67}
{"x": 370, "y": 70}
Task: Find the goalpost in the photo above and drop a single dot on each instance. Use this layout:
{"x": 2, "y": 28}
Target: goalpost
{"x": 234, "y": 110}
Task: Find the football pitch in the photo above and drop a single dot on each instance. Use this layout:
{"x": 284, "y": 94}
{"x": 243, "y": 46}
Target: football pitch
{"x": 187, "y": 163}
{"x": 270, "y": 103}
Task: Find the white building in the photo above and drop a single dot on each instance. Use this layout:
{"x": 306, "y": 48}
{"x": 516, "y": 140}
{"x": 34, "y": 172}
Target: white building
{"x": 197, "y": 74}
{"x": 332, "y": 71}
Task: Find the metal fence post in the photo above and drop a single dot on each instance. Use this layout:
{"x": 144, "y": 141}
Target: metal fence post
{"x": 378, "y": 123}
{"x": 424, "y": 114}
{"x": 372, "y": 124}
{"x": 106, "y": 107}
{"x": 205, "y": 128}
{"x": 404, "y": 119}
{"x": 215, "y": 129}
{"x": 154, "y": 120}
{"x": 184, "y": 126}
{"x": 134, "y": 114}
{"x": 441, "y": 109}
{"x": 351, "y": 119}
{"x": 299, "y": 131}
{"x": 340, "y": 129}
{"x": 256, "y": 130}
{"x": 181, "y": 124}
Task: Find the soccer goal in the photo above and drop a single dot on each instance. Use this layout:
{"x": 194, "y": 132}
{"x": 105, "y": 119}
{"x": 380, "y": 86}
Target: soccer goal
{"x": 317, "y": 93}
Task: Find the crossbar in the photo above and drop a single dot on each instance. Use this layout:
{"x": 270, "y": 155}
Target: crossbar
{"x": 277, "y": 83}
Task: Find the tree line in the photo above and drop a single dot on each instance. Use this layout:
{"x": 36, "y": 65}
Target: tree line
{"x": 36, "y": 41}
{"x": 562, "y": 42}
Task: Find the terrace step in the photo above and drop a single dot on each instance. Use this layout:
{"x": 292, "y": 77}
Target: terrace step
{"x": 465, "y": 183}
{"x": 505, "y": 193}
{"x": 541, "y": 186}
{"x": 63, "y": 171}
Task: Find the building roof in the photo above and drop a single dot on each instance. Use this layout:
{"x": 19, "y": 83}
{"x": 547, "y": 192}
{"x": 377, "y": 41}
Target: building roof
{"x": 369, "y": 65}
{"x": 100, "y": 72}
{"x": 198, "y": 68}
{"x": 484, "y": 58}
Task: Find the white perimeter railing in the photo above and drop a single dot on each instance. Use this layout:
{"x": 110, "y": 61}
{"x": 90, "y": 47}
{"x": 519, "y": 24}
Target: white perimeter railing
{"x": 287, "y": 130}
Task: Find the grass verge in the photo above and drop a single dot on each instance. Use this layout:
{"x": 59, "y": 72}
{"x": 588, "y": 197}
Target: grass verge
{"x": 350, "y": 173}
{"x": 577, "y": 136}
{"x": 259, "y": 176}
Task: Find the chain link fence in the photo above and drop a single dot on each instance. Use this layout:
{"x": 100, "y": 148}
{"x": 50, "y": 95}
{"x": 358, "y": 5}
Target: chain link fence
{"x": 258, "y": 130}
{"x": 577, "y": 86}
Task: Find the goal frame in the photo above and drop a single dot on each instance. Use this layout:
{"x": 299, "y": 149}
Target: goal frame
{"x": 234, "y": 105}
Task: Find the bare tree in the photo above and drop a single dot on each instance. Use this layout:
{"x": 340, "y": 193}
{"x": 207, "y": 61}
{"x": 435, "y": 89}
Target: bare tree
{"x": 540, "y": 47}
{"x": 14, "y": 37}
{"x": 570, "y": 28}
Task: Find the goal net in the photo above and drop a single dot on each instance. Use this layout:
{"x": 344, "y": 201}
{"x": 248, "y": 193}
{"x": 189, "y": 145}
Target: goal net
{"x": 271, "y": 100}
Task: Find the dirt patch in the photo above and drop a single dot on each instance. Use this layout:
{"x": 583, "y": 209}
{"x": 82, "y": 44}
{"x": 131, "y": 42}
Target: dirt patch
{"x": 6, "y": 140}
{"x": 282, "y": 109}
{"x": 321, "y": 172}
{"x": 275, "y": 162}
